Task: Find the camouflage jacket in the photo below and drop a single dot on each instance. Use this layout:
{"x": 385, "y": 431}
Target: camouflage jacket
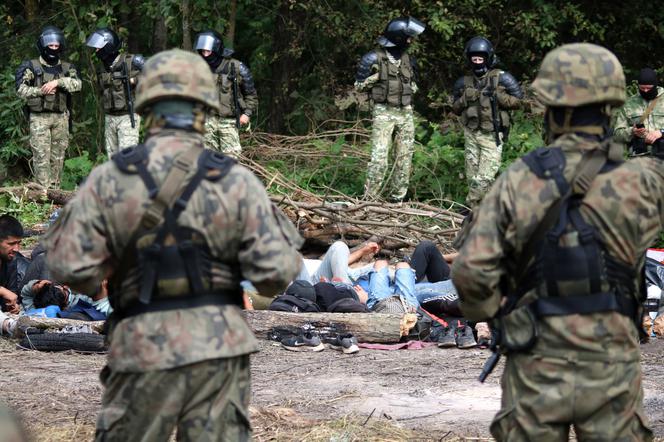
{"x": 242, "y": 229}
{"x": 27, "y": 89}
{"x": 630, "y": 113}
{"x": 626, "y": 205}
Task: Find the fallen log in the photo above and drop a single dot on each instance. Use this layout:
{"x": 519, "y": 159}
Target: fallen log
{"x": 52, "y": 324}
{"x": 33, "y": 192}
{"x": 366, "y": 327}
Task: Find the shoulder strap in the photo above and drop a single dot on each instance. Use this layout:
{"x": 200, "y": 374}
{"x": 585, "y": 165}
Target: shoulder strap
{"x": 171, "y": 188}
{"x": 649, "y": 109}
{"x": 588, "y": 168}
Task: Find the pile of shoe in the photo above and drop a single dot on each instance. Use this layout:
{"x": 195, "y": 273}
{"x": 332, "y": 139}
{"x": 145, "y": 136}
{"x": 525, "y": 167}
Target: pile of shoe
{"x": 460, "y": 336}
{"x": 311, "y": 341}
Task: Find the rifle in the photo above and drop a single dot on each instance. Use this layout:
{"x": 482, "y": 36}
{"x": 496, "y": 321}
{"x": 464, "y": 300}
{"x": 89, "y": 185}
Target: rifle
{"x": 232, "y": 76}
{"x": 127, "y": 87}
{"x": 495, "y": 116}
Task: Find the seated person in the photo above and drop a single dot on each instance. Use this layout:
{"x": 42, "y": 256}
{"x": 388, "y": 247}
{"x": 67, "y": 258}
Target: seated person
{"x": 37, "y": 268}
{"x": 12, "y": 263}
{"x": 42, "y": 293}
{"x": 335, "y": 264}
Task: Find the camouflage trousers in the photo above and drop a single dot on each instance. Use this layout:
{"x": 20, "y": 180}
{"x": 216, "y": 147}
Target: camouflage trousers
{"x": 118, "y": 132}
{"x": 544, "y": 396}
{"x": 208, "y": 400}
{"x": 222, "y": 135}
{"x": 390, "y": 123}
{"x": 49, "y": 138}
{"x": 482, "y": 163}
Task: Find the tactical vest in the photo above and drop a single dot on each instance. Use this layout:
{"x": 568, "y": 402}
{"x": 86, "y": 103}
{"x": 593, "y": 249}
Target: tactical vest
{"x": 225, "y": 87}
{"x": 478, "y": 115}
{"x": 167, "y": 266}
{"x": 395, "y": 83}
{"x": 572, "y": 272}
{"x": 43, "y": 74}
{"x": 113, "y": 87}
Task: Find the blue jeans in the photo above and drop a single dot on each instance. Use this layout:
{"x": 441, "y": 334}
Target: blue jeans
{"x": 381, "y": 287}
{"x": 431, "y": 291}
{"x": 335, "y": 265}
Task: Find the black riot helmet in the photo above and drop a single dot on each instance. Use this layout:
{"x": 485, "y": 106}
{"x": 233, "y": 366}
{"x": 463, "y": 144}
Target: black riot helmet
{"x": 107, "y": 43}
{"x": 51, "y": 35}
{"x": 398, "y": 31}
{"x": 210, "y": 41}
{"x": 480, "y": 46}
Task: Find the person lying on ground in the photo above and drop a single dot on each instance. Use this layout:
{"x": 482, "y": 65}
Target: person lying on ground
{"x": 41, "y": 293}
{"x": 334, "y": 266}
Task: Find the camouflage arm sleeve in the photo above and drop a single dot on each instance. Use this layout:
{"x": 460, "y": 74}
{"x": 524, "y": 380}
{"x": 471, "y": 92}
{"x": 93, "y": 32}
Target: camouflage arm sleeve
{"x": 479, "y": 268}
{"x": 268, "y": 253}
{"x": 458, "y": 103}
{"x": 507, "y": 101}
{"x": 71, "y": 83}
{"x": 77, "y": 244}
{"x": 622, "y": 130}
{"x": 24, "y": 89}
{"x": 248, "y": 90}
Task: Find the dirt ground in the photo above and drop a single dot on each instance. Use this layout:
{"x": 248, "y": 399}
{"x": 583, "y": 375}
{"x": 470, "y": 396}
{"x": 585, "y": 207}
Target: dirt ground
{"x": 429, "y": 394}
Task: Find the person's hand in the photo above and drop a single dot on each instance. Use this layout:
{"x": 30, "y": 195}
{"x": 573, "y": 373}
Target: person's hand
{"x": 653, "y": 136}
{"x": 471, "y": 94}
{"x": 370, "y": 248}
{"x": 50, "y": 87}
{"x": 39, "y": 285}
{"x": 12, "y": 307}
{"x": 639, "y": 131}
{"x": 244, "y": 119}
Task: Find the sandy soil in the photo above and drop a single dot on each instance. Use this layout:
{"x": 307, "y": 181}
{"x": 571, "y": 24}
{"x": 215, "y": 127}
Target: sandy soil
{"x": 432, "y": 391}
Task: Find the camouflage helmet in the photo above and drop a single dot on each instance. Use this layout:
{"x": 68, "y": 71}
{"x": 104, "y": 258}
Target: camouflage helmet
{"x": 176, "y": 74}
{"x": 580, "y": 74}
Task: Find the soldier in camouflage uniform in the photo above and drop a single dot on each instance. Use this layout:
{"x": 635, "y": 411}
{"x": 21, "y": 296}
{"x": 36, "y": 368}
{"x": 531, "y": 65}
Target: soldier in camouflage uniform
{"x": 221, "y": 130}
{"x": 46, "y": 84}
{"x": 582, "y": 366}
{"x": 179, "y": 346}
{"x": 472, "y": 96}
{"x": 120, "y": 130}
{"x": 388, "y": 74}
{"x": 645, "y": 109}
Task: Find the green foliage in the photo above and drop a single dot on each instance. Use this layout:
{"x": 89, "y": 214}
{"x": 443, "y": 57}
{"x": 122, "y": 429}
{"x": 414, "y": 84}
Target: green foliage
{"x": 13, "y": 124}
{"x": 75, "y": 170}
{"x": 28, "y": 213}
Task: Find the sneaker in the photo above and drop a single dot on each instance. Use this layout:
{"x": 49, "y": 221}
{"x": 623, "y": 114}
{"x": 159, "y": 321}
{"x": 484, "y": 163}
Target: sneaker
{"x": 304, "y": 342}
{"x": 447, "y": 339}
{"x": 347, "y": 343}
{"x": 464, "y": 337}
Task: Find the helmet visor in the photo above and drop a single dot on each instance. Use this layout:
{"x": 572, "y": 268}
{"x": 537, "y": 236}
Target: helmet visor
{"x": 207, "y": 43}
{"x": 96, "y": 41}
{"x": 51, "y": 38}
{"x": 415, "y": 27}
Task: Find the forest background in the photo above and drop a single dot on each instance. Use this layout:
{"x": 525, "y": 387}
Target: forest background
{"x": 303, "y": 56}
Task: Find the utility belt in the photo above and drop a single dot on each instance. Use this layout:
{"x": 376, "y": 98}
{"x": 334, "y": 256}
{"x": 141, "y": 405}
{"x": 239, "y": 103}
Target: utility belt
{"x": 48, "y": 112}
{"x": 229, "y": 297}
{"x": 117, "y": 113}
{"x": 518, "y": 330}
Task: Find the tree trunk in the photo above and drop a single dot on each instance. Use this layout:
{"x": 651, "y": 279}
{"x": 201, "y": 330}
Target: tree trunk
{"x": 366, "y": 327}
{"x": 31, "y": 9}
{"x": 159, "y": 35}
{"x": 230, "y": 30}
{"x": 53, "y": 324}
{"x": 130, "y": 19}
{"x": 286, "y": 36}
{"x": 186, "y": 25}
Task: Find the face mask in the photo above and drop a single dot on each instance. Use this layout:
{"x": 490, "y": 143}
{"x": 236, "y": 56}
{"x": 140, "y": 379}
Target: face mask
{"x": 652, "y": 93}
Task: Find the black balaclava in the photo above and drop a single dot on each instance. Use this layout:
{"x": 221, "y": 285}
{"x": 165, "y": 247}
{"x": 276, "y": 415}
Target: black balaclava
{"x": 648, "y": 76}
{"x": 396, "y": 51}
{"x": 107, "y": 55}
{"x": 213, "y": 60}
{"x": 51, "y": 56}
